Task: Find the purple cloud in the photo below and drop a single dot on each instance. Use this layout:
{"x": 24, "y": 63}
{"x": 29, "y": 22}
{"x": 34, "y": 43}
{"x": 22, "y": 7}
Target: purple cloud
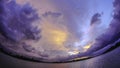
{"x": 16, "y": 16}
{"x": 95, "y": 18}
{"x": 113, "y": 32}
{"x": 108, "y": 40}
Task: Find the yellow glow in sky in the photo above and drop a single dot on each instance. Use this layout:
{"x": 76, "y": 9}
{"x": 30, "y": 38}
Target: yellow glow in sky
{"x": 87, "y": 46}
{"x": 59, "y": 37}
{"x": 54, "y": 34}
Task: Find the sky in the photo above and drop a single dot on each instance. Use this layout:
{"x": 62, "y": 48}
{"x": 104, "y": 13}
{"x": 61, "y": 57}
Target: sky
{"x": 66, "y": 24}
{"x": 64, "y": 27}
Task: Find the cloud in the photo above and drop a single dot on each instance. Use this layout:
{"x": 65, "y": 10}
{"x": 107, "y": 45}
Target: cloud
{"x": 19, "y": 16}
{"x": 95, "y": 18}
{"x": 74, "y": 13}
{"x": 112, "y": 34}
{"x": 63, "y": 25}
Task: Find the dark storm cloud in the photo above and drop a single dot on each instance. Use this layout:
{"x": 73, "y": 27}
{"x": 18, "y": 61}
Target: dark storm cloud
{"x": 113, "y": 32}
{"x": 13, "y": 20}
{"x": 3, "y": 26}
{"x": 95, "y": 18}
